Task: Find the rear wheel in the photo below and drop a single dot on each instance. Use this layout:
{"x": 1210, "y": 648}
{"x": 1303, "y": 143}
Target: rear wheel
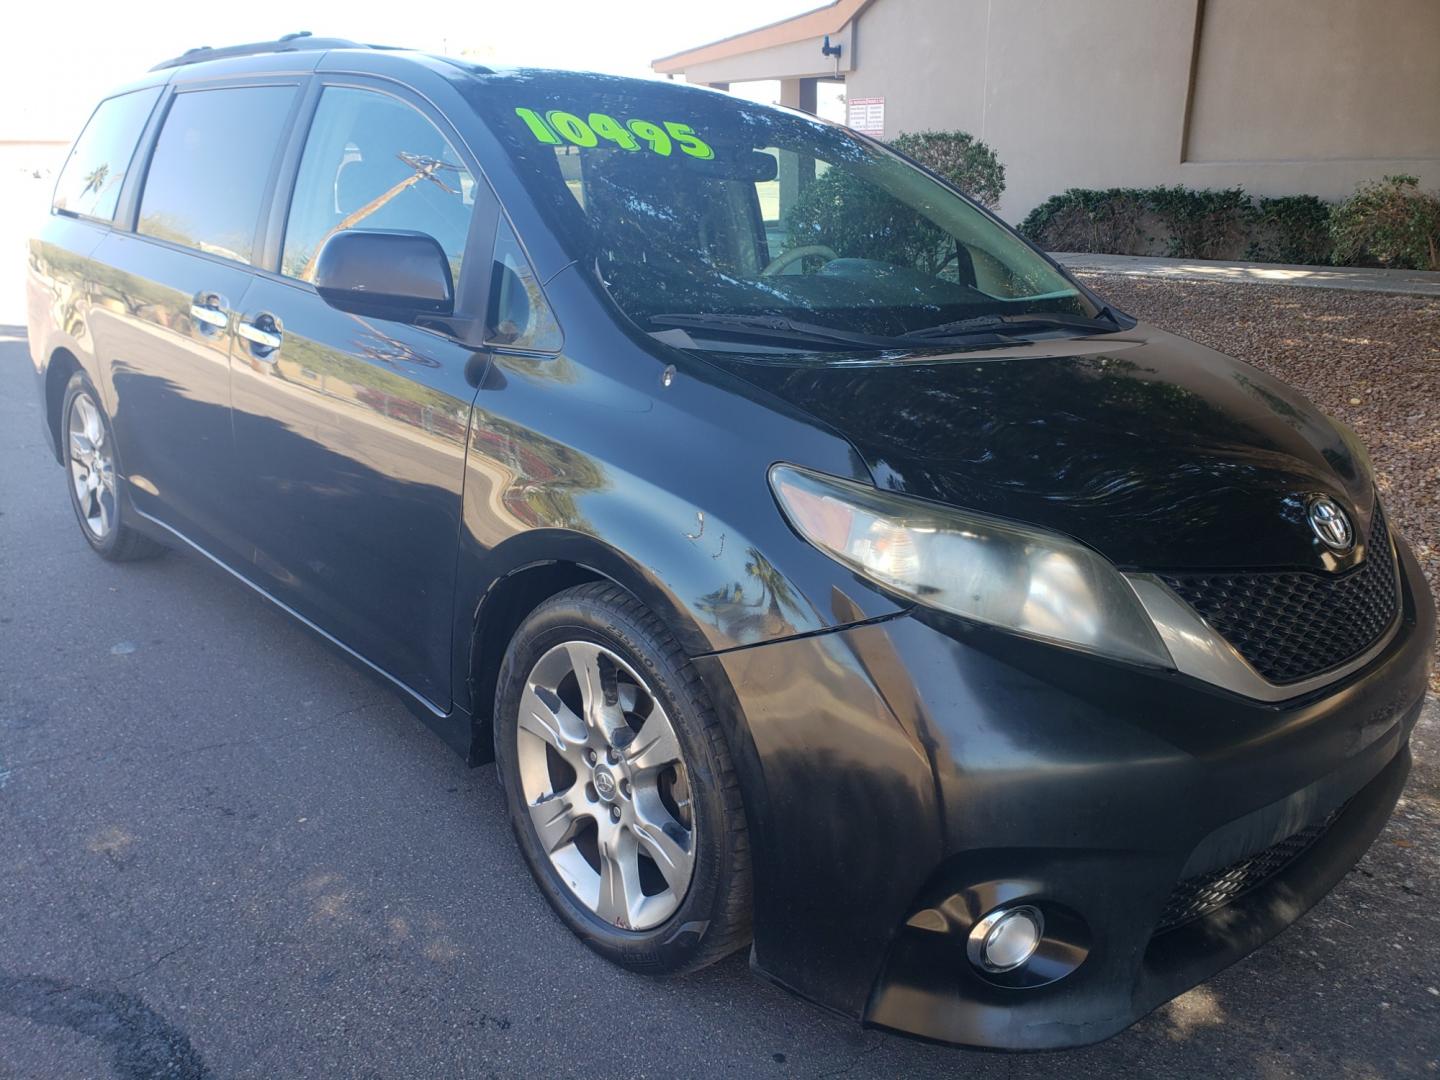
{"x": 619, "y": 784}
{"x": 90, "y": 467}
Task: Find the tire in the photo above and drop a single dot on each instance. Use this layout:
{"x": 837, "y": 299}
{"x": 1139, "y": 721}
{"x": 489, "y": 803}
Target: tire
{"x": 641, "y": 674}
{"x": 93, "y": 477}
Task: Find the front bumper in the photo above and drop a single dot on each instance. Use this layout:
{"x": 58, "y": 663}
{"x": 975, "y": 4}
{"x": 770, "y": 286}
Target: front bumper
{"x": 904, "y": 776}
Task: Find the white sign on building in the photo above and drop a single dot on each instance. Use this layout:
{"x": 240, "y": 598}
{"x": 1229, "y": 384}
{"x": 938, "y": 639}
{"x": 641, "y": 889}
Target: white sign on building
{"x": 866, "y": 115}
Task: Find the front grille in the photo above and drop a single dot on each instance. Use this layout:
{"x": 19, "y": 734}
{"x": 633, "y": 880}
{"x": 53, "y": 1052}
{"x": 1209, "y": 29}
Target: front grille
{"x": 1295, "y": 624}
{"x": 1198, "y": 896}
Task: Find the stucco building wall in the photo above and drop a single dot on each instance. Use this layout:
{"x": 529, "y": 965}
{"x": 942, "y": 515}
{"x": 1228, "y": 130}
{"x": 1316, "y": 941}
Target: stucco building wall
{"x": 1277, "y": 96}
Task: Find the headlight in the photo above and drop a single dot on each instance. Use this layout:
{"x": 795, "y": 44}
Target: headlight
{"x": 979, "y": 567}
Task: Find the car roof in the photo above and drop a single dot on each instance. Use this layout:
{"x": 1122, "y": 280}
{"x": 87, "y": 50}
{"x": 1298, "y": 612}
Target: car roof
{"x": 301, "y": 41}
{"x": 298, "y": 51}
{"x": 308, "y": 52}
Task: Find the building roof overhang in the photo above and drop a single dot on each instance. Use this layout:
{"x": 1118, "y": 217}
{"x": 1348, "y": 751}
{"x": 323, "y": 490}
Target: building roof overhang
{"x": 833, "y": 20}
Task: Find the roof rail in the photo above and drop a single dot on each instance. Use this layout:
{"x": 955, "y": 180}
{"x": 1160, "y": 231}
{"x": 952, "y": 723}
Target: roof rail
{"x": 297, "y": 42}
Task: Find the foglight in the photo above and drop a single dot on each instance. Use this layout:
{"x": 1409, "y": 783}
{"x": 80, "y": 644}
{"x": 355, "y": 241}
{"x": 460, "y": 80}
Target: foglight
{"x": 1006, "y": 938}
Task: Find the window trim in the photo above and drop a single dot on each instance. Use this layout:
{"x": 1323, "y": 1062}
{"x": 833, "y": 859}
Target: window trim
{"x": 158, "y": 120}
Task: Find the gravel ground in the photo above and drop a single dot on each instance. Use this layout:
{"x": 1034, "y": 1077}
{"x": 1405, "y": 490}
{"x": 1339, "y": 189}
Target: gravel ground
{"x": 1373, "y": 360}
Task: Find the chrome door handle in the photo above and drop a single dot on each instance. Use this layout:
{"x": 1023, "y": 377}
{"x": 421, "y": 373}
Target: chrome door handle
{"x": 212, "y": 317}
{"x": 263, "y": 332}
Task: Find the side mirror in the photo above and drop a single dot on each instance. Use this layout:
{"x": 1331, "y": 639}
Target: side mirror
{"x": 387, "y": 274}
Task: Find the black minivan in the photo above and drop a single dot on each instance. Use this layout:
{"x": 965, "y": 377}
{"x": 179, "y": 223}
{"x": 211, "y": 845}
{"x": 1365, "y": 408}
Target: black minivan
{"x": 824, "y": 569}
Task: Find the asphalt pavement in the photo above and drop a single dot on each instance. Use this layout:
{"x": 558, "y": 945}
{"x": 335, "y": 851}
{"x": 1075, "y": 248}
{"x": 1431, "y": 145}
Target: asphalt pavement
{"x": 226, "y": 852}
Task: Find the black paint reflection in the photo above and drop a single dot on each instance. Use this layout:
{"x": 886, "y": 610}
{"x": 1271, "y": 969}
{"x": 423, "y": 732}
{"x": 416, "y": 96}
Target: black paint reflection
{"x": 1163, "y": 454}
{"x": 351, "y": 441}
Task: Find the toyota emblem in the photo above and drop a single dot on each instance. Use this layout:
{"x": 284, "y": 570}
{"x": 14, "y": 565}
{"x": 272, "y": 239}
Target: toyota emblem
{"x": 1331, "y": 524}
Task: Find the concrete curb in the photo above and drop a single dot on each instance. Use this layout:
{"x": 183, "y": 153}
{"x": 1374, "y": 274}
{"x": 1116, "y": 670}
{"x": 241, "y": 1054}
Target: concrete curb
{"x": 1358, "y": 279}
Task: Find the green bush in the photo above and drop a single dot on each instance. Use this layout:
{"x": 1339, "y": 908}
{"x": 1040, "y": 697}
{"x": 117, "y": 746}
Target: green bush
{"x": 1391, "y": 222}
{"x": 1202, "y": 224}
{"x": 1291, "y": 229}
{"x": 1179, "y": 222}
{"x": 1086, "y": 219}
{"x": 961, "y": 159}
{"x": 1185, "y": 223}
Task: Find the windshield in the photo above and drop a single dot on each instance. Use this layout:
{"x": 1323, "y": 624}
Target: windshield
{"x": 698, "y": 209}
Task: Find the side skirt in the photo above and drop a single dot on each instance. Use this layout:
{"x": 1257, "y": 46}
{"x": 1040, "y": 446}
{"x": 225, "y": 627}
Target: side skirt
{"x": 453, "y": 726}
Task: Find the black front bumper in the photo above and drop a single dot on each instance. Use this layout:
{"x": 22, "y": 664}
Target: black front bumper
{"x": 903, "y": 777}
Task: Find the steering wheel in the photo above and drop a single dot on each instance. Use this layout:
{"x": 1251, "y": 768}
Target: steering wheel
{"x": 794, "y": 255}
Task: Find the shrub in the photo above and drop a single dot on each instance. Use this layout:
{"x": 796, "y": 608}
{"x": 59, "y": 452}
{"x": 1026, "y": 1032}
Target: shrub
{"x": 1085, "y": 219}
{"x": 1391, "y": 222}
{"x": 1183, "y": 222}
{"x": 1203, "y": 224}
{"x": 1291, "y": 229}
{"x": 961, "y": 159}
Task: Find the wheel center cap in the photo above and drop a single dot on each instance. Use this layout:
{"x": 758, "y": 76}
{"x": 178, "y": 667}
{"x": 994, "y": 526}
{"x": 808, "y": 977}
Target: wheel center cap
{"x": 605, "y": 785}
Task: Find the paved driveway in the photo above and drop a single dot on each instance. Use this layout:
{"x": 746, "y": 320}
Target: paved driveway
{"x": 223, "y": 851}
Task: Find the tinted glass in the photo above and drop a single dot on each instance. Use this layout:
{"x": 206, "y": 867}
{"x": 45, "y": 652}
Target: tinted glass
{"x": 211, "y": 164}
{"x": 93, "y": 174}
{"x": 373, "y": 162}
{"x": 520, "y": 316}
{"x": 693, "y": 203}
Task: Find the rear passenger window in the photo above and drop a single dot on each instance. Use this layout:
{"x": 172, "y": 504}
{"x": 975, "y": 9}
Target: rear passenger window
{"x": 210, "y": 168}
{"x": 90, "y": 182}
{"x": 374, "y": 162}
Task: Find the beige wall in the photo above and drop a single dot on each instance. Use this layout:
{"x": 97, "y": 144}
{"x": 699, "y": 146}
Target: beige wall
{"x": 1317, "y": 81}
{"x": 1289, "y": 95}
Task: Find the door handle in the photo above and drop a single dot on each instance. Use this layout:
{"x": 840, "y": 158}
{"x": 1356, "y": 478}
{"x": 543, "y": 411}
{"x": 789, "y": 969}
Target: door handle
{"x": 263, "y": 332}
{"x": 207, "y": 309}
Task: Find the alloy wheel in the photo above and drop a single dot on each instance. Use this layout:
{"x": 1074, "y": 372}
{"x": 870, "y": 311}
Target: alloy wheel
{"x": 606, "y": 785}
{"x": 92, "y": 466}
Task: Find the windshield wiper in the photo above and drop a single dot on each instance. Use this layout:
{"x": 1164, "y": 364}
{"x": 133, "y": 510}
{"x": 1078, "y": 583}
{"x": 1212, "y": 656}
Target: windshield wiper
{"x": 772, "y": 326}
{"x": 1004, "y": 325}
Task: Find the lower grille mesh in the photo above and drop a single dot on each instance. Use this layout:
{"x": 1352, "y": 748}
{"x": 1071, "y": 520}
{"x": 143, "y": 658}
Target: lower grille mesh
{"x": 1198, "y": 896}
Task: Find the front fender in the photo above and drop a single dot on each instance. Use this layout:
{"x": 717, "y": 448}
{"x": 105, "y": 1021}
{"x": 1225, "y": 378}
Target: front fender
{"x": 590, "y": 458}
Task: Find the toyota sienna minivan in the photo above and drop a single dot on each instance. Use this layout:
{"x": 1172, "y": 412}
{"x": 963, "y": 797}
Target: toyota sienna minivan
{"x": 825, "y": 570}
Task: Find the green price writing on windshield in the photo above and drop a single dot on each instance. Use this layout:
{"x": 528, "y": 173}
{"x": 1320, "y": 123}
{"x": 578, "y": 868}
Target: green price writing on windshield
{"x": 557, "y": 127}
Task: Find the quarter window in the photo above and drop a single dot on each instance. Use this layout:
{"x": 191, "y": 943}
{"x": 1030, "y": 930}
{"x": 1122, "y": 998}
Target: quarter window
{"x": 93, "y": 174}
{"x": 520, "y": 316}
{"x": 211, "y": 166}
{"x": 374, "y": 162}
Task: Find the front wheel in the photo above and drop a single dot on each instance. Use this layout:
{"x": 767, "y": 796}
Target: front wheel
{"x": 619, "y": 784}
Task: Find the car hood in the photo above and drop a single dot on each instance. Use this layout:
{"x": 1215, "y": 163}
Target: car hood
{"x": 1154, "y": 450}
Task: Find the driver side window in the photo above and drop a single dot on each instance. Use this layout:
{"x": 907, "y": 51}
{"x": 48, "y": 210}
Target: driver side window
{"x": 373, "y": 162}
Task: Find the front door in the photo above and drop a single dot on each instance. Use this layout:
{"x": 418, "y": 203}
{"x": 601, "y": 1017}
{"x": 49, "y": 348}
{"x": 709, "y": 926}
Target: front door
{"x": 351, "y": 431}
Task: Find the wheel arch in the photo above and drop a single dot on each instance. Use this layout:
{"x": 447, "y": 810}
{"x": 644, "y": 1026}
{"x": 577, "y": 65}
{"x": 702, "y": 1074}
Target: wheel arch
{"x": 59, "y": 369}
{"x": 521, "y": 574}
